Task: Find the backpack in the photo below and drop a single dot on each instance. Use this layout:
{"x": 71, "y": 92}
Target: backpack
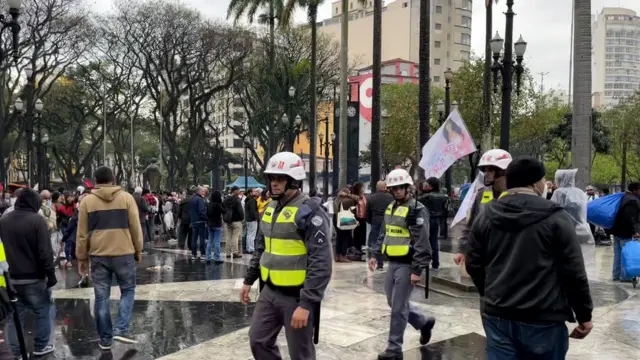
{"x": 346, "y": 219}
{"x": 228, "y": 215}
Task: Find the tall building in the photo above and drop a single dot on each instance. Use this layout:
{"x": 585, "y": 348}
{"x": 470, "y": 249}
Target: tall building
{"x": 450, "y": 32}
{"x": 616, "y": 55}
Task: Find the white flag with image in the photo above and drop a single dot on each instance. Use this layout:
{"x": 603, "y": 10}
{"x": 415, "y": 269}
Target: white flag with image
{"x": 451, "y": 142}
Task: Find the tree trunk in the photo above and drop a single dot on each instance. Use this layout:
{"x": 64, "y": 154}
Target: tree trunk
{"x": 486, "y": 141}
{"x": 581, "y": 122}
{"x": 344, "y": 89}
{"x": 313, "y": 124}
{"x": 425, "y": 80}
{"x": 375, "y": 146}
{"x": 272, "y": 32}
{"x": 623, "y": 175}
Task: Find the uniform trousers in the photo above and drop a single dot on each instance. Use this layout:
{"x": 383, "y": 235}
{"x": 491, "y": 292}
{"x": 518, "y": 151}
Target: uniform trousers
{"x": 398, "y": 288}
{"x": 274, "y": 311}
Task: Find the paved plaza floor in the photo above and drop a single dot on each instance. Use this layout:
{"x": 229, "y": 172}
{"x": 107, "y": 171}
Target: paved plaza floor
{"x": 192, "y": 312}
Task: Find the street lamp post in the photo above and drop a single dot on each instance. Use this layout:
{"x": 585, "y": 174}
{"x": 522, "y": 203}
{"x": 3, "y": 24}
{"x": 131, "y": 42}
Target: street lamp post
{"x": 448, "y": 76}
{"x": 43, "y": 162}
{"x": 292, "y": 130}
{"x": 506, "y": 68}
{"x": 326, "y": 144}
{"x": 39, "y": 151}
{"x": 285, "y": 117}
{"x": 13, "y": 25}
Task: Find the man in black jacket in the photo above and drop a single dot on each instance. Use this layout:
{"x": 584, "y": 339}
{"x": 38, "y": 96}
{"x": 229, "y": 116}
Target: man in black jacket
{"x": 184, "y": 232}
{"x": 28, "y": 248}
{"x": 525, "y": 260}
{"x": 251, "y": 218}
{"x": 143, "y": 212}
{"x": 376, "y": 206}
{"x": 436, "y": 203}
{"x": 233, "y": 223}
{"x": 625, "y": 227}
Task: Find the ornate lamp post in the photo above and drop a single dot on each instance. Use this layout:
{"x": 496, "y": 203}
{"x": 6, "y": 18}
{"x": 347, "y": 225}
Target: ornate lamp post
{"x": 326, "y": 144}
{"x": 506, "y": 68}
{"x": 293, "y": 130}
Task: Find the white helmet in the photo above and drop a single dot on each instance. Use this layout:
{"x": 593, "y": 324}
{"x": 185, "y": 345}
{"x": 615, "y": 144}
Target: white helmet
{"x": 399, "y": 177}
{"x": 286, "y": 163}
{"x": 496, "y": 157}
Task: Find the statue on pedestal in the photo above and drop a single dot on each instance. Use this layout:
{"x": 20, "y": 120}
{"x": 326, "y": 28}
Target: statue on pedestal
{"x": 152, "y": 176}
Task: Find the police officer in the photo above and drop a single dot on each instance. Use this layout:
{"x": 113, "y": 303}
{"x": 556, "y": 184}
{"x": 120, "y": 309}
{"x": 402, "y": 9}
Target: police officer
{"x": 293, "y": 258}
{"x": 493, "y": 164}
{"x": 405, "y": 242}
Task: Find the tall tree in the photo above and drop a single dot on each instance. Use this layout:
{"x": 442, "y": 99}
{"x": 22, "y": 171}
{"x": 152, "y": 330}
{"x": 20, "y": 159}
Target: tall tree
{"x": 312, "y": 17}
{"x": 424, "y": 73}
{"x": 344, "y": 90}
{"x": 185, "y": 61}
{"x": 581, "y": 129}
{"x": 486, "y": 95}
{"x": 376, "y": 149}
{"x": 238, "y": 8}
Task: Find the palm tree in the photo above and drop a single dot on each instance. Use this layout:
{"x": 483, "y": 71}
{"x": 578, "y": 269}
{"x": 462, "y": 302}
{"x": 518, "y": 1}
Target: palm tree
{"x": 312, "y": 17}
{"x": 486, "y": 95}
{"x": 376, "y": 145}
{"x": 424, "y": 61}
{"x": 344, "y": 88}
{"x": 581, "y": 122}
{"x": 239, "y": 8}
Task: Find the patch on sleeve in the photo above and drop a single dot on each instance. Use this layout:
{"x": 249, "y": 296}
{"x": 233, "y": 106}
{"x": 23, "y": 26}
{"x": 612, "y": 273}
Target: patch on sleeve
{"x": 420, "y": 221}
{"x": 316, "y": 220}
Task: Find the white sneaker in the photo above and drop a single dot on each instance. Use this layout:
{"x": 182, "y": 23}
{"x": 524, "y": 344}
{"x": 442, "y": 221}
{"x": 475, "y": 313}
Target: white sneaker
{"x": 47, "y": 349}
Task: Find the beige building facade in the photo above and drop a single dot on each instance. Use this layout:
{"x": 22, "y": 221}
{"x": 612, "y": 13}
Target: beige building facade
{"x": 450, "y": 32}
{"x": 616, "y": 55}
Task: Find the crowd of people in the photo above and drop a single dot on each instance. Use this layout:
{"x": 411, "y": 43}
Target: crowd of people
{"x": 521, "y": 232}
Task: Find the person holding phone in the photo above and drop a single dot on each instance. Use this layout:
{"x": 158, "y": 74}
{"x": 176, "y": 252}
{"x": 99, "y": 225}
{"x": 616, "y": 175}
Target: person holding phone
{"x": 524, "y": 258}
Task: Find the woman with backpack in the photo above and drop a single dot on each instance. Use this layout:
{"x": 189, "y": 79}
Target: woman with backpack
{"x": 344, "y": 238}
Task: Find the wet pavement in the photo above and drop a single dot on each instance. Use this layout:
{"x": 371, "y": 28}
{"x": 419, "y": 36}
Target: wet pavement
{"x": 192, "y": 312}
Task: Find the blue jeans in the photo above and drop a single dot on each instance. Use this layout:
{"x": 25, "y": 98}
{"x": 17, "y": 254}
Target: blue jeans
{"x": 374, "y": 232}
{"x": 198, "y": 231}
{"x": 215, "y": 235}
{"x": 102, "y": 271}
{"x": 514, "y": 340}
{"x": 37, "y": 298}
{"x": 70, "y": 250}
{"x": 618, "y": 271}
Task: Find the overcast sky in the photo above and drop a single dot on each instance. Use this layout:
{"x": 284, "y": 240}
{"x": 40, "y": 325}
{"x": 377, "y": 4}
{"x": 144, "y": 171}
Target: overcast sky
{"x": 544, "y": 24}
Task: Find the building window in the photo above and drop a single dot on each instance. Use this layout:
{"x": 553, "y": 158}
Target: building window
{"x": 336, "y": 10}
{"x": 466, "y": 4}
{"x": 448, "y": 36}
{"x": 465, "y": 55}
{"x": 405, "y": 4}
{"x": 449, "y": 19}
{"x": 466, "y": 21}
{"x": 436, "y": 79}
{"x": 437, "y": 44}
{"x": 237, "y": 143}
{"x": 438, "y": 26}
{"x": 351, "y": 6}
{"x": 465, "y": 39}
{"x": 237, "y": 103}
{"x": 436, "y": 61}
{"x": 438, "y": 9}
{"x": 370, "y": 3}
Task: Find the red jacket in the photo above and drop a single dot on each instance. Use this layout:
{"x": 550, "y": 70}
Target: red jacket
{"x": 66, "y": 210}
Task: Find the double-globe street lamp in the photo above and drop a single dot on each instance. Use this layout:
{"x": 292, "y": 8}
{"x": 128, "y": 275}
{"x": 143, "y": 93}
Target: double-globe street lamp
{"x": 326, "y": 144}
{"x": 506, "y": 68}
{"x": 19, "y": 108}
{"x": 12, "y": 25}
{"x": 292, "y": 130}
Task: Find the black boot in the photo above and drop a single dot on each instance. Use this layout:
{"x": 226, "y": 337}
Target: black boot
{"x": 425, "y": 332}
{"x": 389, "y": 355}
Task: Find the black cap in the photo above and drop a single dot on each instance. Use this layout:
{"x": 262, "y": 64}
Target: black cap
{"x": 524, "y": 171}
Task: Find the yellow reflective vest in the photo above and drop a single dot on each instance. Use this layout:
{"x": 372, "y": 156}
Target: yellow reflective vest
{"x": 397, "y": 237}
{"x": 284, "y": 261}
{"x": 4, "y": 266}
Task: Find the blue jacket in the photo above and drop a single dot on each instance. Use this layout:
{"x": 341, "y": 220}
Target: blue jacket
{"x": 197, "y": 209}
{"x": 71, "y": 230}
